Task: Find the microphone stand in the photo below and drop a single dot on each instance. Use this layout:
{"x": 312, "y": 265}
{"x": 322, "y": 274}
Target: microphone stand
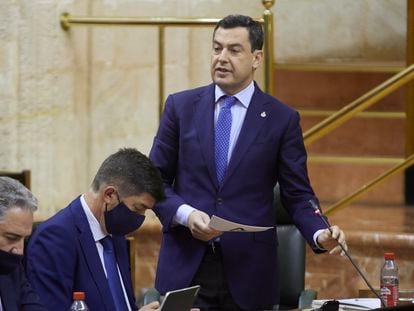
{"x": 319, "y": 212}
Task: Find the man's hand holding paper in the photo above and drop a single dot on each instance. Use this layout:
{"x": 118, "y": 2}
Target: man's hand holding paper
{"x": 198, "y": 223}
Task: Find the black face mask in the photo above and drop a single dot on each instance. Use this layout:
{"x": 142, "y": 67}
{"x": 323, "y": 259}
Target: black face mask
{"x": 121, "y": 220}
{"x": 9, "y": 262}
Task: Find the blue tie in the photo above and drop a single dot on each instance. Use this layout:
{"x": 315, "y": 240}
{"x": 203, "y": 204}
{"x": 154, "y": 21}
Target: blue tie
{"x": 112, "y": 274}
{"x": 222, "y": 137}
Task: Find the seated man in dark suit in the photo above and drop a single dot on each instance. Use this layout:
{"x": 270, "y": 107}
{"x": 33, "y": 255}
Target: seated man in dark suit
{"x": 83, "y": 247}
{"x": 17, "y": 205}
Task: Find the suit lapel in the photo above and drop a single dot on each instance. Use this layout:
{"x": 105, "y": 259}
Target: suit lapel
{"x": 8, "y": 295}
{"x": 91, "y": 255}
{"x": 204, "y": 122}
{"x": 253, "y": 122}
{"x": 123, "y": 264}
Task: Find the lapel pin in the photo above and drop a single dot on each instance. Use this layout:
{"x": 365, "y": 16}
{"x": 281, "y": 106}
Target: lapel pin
{"x": 263, "y": 114}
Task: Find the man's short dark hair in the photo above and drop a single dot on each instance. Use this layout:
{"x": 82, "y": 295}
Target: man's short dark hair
{"x": 132, "y": 173}
{"x": 254, "y": 28}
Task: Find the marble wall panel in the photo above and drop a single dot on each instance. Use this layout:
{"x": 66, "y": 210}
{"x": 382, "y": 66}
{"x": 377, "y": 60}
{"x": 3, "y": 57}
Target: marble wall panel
{"x": 340, "y": 31}
{"x": 43, "y": 123}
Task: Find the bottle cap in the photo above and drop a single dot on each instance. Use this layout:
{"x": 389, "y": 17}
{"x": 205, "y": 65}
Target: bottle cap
{"x": 78, "y": 295}
{"x": 389, "y": 256}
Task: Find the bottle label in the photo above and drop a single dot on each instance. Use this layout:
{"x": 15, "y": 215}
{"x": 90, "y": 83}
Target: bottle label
{"x": 389, "y": 293}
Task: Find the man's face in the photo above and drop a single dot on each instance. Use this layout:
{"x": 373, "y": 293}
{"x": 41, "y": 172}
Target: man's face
{"x": 232, "y": 62}
{"x": 15, "y": 226}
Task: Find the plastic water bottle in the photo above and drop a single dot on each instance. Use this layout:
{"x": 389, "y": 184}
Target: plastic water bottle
{"x": 79, "y": 302}
{"x": 389, "y": 281}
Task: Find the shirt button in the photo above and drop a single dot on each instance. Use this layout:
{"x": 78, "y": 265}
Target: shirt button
{"x": 219, "y": 201}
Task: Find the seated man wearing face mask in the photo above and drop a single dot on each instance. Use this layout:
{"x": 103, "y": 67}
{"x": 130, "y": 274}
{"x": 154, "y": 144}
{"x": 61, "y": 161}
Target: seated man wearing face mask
{"x": 83, "y": 246}
{"x": 17, "y": 205}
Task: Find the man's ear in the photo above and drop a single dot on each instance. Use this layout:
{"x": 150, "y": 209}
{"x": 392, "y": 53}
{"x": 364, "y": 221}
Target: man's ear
{"x": 108, "y": 193}
{"x": 257, "y": 58}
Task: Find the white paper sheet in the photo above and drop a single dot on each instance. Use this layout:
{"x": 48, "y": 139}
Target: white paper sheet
{"x": 352, "y": 303}
{"x": 221, "y": 224}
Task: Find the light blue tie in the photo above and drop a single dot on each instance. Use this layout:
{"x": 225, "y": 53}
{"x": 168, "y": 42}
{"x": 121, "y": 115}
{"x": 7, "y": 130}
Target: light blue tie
{"x": 112, "y": 274}
{"x": 222, "y": 137}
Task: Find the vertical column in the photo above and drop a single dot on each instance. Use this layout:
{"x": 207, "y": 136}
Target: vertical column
{"x": 409, "y": 136}
{"x": 268, "y": 46}
{"x": 161, "y": 44}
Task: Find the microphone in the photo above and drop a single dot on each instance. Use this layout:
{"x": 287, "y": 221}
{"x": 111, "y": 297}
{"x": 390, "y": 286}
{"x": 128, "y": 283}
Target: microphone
{"x": 324, "y": 219}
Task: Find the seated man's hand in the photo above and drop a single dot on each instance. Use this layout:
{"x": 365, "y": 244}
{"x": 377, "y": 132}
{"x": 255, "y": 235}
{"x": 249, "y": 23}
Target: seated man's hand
{"x": 151, "y": 306}
{"x": 198, "y": 225}
{"x": 330, "y": 241}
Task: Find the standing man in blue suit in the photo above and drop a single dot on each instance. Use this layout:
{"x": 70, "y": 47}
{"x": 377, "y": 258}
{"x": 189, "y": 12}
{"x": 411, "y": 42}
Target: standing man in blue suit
{"x": 69, "y": 252}
{"x": 17, "y": 205}
{"x": 236, "y": 271}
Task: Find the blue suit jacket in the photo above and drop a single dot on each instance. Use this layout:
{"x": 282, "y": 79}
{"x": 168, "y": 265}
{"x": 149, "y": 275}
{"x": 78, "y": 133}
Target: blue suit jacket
{"x": 62, "y": 258}
{"x": 16, "y": 293}
{"x": 269, "y": 149}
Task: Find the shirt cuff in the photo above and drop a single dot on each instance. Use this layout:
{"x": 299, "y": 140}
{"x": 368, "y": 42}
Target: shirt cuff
{"x": 181, "y": 216}
{"x": 315, "y": 239}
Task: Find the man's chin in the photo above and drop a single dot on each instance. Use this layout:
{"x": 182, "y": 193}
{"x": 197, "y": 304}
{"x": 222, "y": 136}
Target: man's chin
{"x": 222, "y": 85}
{"x": 221, "y": 82}
{"x": 228, "y": 88}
